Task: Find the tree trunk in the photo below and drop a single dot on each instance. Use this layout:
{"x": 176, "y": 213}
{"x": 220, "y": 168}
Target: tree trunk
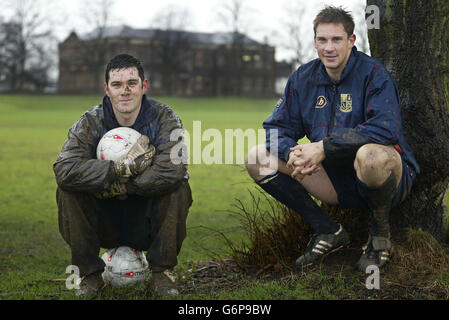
{"x": 413, "y": 43}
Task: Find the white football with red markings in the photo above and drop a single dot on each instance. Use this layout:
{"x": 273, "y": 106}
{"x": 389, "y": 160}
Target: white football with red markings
{"x": 116, "y": 143}
{"x": 124, "y": 267}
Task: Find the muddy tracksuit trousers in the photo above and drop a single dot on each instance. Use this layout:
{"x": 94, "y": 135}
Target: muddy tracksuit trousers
{"x": 153, "y": 224}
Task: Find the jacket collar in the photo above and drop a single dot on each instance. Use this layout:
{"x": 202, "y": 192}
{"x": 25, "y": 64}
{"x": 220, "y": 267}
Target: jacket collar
{"x": 111, "y": 121}
{"x": 322, "y": 77}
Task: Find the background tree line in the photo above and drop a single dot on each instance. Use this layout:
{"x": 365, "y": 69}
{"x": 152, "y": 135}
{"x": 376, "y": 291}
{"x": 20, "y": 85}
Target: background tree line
{"x": 26, "y": 51}
{"x": 29, "y": 43}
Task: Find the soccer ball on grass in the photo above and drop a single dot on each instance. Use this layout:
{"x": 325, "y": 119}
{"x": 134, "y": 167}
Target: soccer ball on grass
{"x": 125, "y": 267}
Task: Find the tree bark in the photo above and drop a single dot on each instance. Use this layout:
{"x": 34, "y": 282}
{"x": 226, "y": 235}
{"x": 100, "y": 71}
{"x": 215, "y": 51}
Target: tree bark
{"x": 413, "y": 43}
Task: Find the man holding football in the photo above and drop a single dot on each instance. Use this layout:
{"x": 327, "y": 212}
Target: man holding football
{"x": 347, "y": 105}
{"x": 141, "y": 201}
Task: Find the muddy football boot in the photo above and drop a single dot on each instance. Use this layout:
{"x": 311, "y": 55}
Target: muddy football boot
{"x": 90, "y": 286}
{"x": 375, "y": 253}
{"x": 163, "y": 284}
{"x": 322, "y": 244}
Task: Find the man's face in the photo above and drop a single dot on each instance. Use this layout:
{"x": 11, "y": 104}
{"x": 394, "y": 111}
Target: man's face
{"x": 333, "y": 46}
{"x": 125, "y": 89}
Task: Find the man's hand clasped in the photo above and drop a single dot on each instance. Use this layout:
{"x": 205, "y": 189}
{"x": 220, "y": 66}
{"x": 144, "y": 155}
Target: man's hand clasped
{"x": 117, "y": 189}
{"x": 305, "y": 159}
{"x": 136, "y": 161}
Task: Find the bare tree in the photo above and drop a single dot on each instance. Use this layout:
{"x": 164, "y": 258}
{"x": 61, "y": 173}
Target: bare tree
{"x": 9, "y": 50}
{"x": 234, "y": 14}
{"x": 171, "y": 48}
{"x": 98, "y": 15}
{"x": 2, "y": 52}
{"x": 172, "y": 18}
{"x": 27, "y": 45}
{"x": 294, "y": 27}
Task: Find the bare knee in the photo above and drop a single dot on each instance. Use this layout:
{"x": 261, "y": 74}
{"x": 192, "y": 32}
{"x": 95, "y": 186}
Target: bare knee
{"x": 252, "y": 161}
{"x": 259, "y": 163}
{"x": 374, "y": 164}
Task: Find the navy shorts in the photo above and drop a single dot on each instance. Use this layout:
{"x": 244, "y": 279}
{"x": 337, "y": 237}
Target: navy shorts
{"x": 344, "y": 180}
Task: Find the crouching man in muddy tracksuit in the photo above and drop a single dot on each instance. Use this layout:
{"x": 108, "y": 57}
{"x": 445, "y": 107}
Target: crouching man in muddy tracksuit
{"x": 142, "y": 201}
{"x": 346, "y": 103}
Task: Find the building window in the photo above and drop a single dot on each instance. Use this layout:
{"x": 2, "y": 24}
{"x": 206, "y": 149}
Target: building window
{"x": 246, "y": 58}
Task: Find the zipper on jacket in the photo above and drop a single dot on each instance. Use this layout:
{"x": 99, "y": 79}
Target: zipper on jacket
{"x": 333, "y": 110}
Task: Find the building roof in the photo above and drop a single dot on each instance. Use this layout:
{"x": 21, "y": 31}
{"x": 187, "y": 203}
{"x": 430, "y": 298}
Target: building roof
{"x": 126, "y": 32}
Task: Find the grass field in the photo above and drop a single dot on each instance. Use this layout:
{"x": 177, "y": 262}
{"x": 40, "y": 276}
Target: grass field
{"x": 34, "y": 257}
{"x": 33, "y": 129}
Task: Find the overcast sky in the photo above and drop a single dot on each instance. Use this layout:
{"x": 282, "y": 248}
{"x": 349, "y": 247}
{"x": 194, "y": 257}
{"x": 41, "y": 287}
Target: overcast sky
{"x": 264, "y": 20}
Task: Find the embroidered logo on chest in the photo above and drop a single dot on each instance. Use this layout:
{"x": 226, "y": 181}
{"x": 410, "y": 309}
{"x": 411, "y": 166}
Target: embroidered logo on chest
{"x": 346, "y": 102}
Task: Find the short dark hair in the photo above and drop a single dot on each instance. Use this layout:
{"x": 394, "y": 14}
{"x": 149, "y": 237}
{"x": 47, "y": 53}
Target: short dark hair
{"x": 332, "y": 14}
{"x": 124, "y": 61}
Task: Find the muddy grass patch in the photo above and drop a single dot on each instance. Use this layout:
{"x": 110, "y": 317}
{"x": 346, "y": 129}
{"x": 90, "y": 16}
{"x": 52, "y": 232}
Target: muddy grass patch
{"x": 419, "y": 268}
{"x": 335, "y": 277}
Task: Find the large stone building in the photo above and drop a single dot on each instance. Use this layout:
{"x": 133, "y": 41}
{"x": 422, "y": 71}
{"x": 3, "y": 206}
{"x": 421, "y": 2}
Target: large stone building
{"x": 176, "y": 62}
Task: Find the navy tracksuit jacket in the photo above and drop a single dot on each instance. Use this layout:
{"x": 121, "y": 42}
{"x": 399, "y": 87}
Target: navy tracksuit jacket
{"x": 363, "y": 107}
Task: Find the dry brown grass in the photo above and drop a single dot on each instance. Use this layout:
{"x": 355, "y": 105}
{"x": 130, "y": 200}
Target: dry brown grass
{"x": 275, "y": 236}
{"x": 419, "y": 252}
